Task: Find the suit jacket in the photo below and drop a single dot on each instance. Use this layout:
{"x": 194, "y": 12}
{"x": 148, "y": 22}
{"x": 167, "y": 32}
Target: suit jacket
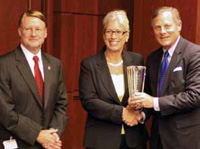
{"x": 22, "y": 113}
{"x": 100, "y": 100}
{"x": 178, "y": 121}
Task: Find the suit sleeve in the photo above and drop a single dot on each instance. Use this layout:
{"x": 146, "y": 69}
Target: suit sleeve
{"x": 148, "y": 90}
{"x": 185, "y": 88}
{"x": 59, "y": 119}
{"x": 12, "y": 121}
{"x": 96, "y": 107}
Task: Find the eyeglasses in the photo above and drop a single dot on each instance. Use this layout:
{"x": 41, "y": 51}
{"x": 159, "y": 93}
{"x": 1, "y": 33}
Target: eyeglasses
{"x": 117, "y": 33}
{"x": 29, "y": 30}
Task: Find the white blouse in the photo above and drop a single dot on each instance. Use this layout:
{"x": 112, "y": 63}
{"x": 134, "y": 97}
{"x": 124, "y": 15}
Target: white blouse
{"x": 118, "y": 81}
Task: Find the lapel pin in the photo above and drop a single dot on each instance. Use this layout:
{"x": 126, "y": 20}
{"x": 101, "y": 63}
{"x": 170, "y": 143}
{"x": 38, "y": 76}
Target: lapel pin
{"x": 49, "y": 67}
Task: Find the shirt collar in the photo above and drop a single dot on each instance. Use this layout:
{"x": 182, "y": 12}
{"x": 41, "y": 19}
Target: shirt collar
{"x": 172, "y": 48}
{"x": 28, "y": 54}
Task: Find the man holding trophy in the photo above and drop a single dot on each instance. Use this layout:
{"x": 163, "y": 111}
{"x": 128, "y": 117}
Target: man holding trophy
{"x": 173, "y": 86}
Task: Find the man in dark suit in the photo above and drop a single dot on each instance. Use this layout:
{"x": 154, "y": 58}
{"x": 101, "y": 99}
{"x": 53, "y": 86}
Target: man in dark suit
{"x": 33, "y": 96}
{"x": 173, "y": 78}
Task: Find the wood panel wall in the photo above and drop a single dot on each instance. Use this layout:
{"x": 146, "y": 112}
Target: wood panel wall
{"x": 143, "y": 37}
{"x": 77, "y": 34}
{"x": 197, "y": 37}
{"x": 9, "y": 21}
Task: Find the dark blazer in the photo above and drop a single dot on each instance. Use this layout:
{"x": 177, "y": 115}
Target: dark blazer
{"x": 100, "y": 100}
{"x": 178, "y": 122}
{"x": 22, "y": 114}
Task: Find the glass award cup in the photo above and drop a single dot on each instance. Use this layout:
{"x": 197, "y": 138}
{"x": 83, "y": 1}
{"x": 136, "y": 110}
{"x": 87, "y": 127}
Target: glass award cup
{"x": 136, "y": 79}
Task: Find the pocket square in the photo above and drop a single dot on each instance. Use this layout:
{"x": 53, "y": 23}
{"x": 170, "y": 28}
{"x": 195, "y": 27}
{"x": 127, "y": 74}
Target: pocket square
{"x": 177, "y": 69}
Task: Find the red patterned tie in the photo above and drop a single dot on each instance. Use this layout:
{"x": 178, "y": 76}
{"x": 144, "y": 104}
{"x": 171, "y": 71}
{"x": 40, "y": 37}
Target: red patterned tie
{"x": 38, "y": 78}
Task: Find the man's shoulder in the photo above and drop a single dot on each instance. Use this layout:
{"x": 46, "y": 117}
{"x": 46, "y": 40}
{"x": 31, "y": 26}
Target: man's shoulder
{"x": 9, "y": 55}
{"x": 155, "y": 53}
{"x": 50, "y": 58}
{"x": 190, "y": 44}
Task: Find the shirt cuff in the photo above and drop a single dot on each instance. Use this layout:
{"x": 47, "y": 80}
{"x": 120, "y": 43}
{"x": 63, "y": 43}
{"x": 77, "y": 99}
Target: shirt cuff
{"x": 156, "y": 104}
{"x": 143, "y": 118}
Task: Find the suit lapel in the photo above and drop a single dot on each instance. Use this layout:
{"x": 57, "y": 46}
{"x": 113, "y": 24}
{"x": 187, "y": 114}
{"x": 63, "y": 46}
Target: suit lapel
{"x": 26, "y": 73}
{"x": 47, "y": 78}
{"x": 177, "y": 55}
{"x": 104, "y": 75}
{"x": 156, "y": 70}
{"x": 127, "y": 62}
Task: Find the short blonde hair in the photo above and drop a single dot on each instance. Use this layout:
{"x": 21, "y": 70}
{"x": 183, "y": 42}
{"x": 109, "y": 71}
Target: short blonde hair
{"x": 31, "y": 13}
{"x": 174, "y": 11}
{"x": 119, "y": 15}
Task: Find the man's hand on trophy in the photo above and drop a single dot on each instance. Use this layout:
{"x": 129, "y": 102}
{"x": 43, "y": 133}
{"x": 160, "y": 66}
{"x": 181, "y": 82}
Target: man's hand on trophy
{"x": 131, "y": 116}
{"x": 140, "y": 100}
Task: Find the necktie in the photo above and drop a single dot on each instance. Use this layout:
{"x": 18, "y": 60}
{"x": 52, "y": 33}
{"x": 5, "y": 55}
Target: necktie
{"x": 164, "y": 67}
{"x": 38, "y": 77}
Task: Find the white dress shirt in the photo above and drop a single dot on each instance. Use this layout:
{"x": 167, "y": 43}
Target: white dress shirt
{"x": 118, "y": 81}
{"x": 29, "y": 57}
